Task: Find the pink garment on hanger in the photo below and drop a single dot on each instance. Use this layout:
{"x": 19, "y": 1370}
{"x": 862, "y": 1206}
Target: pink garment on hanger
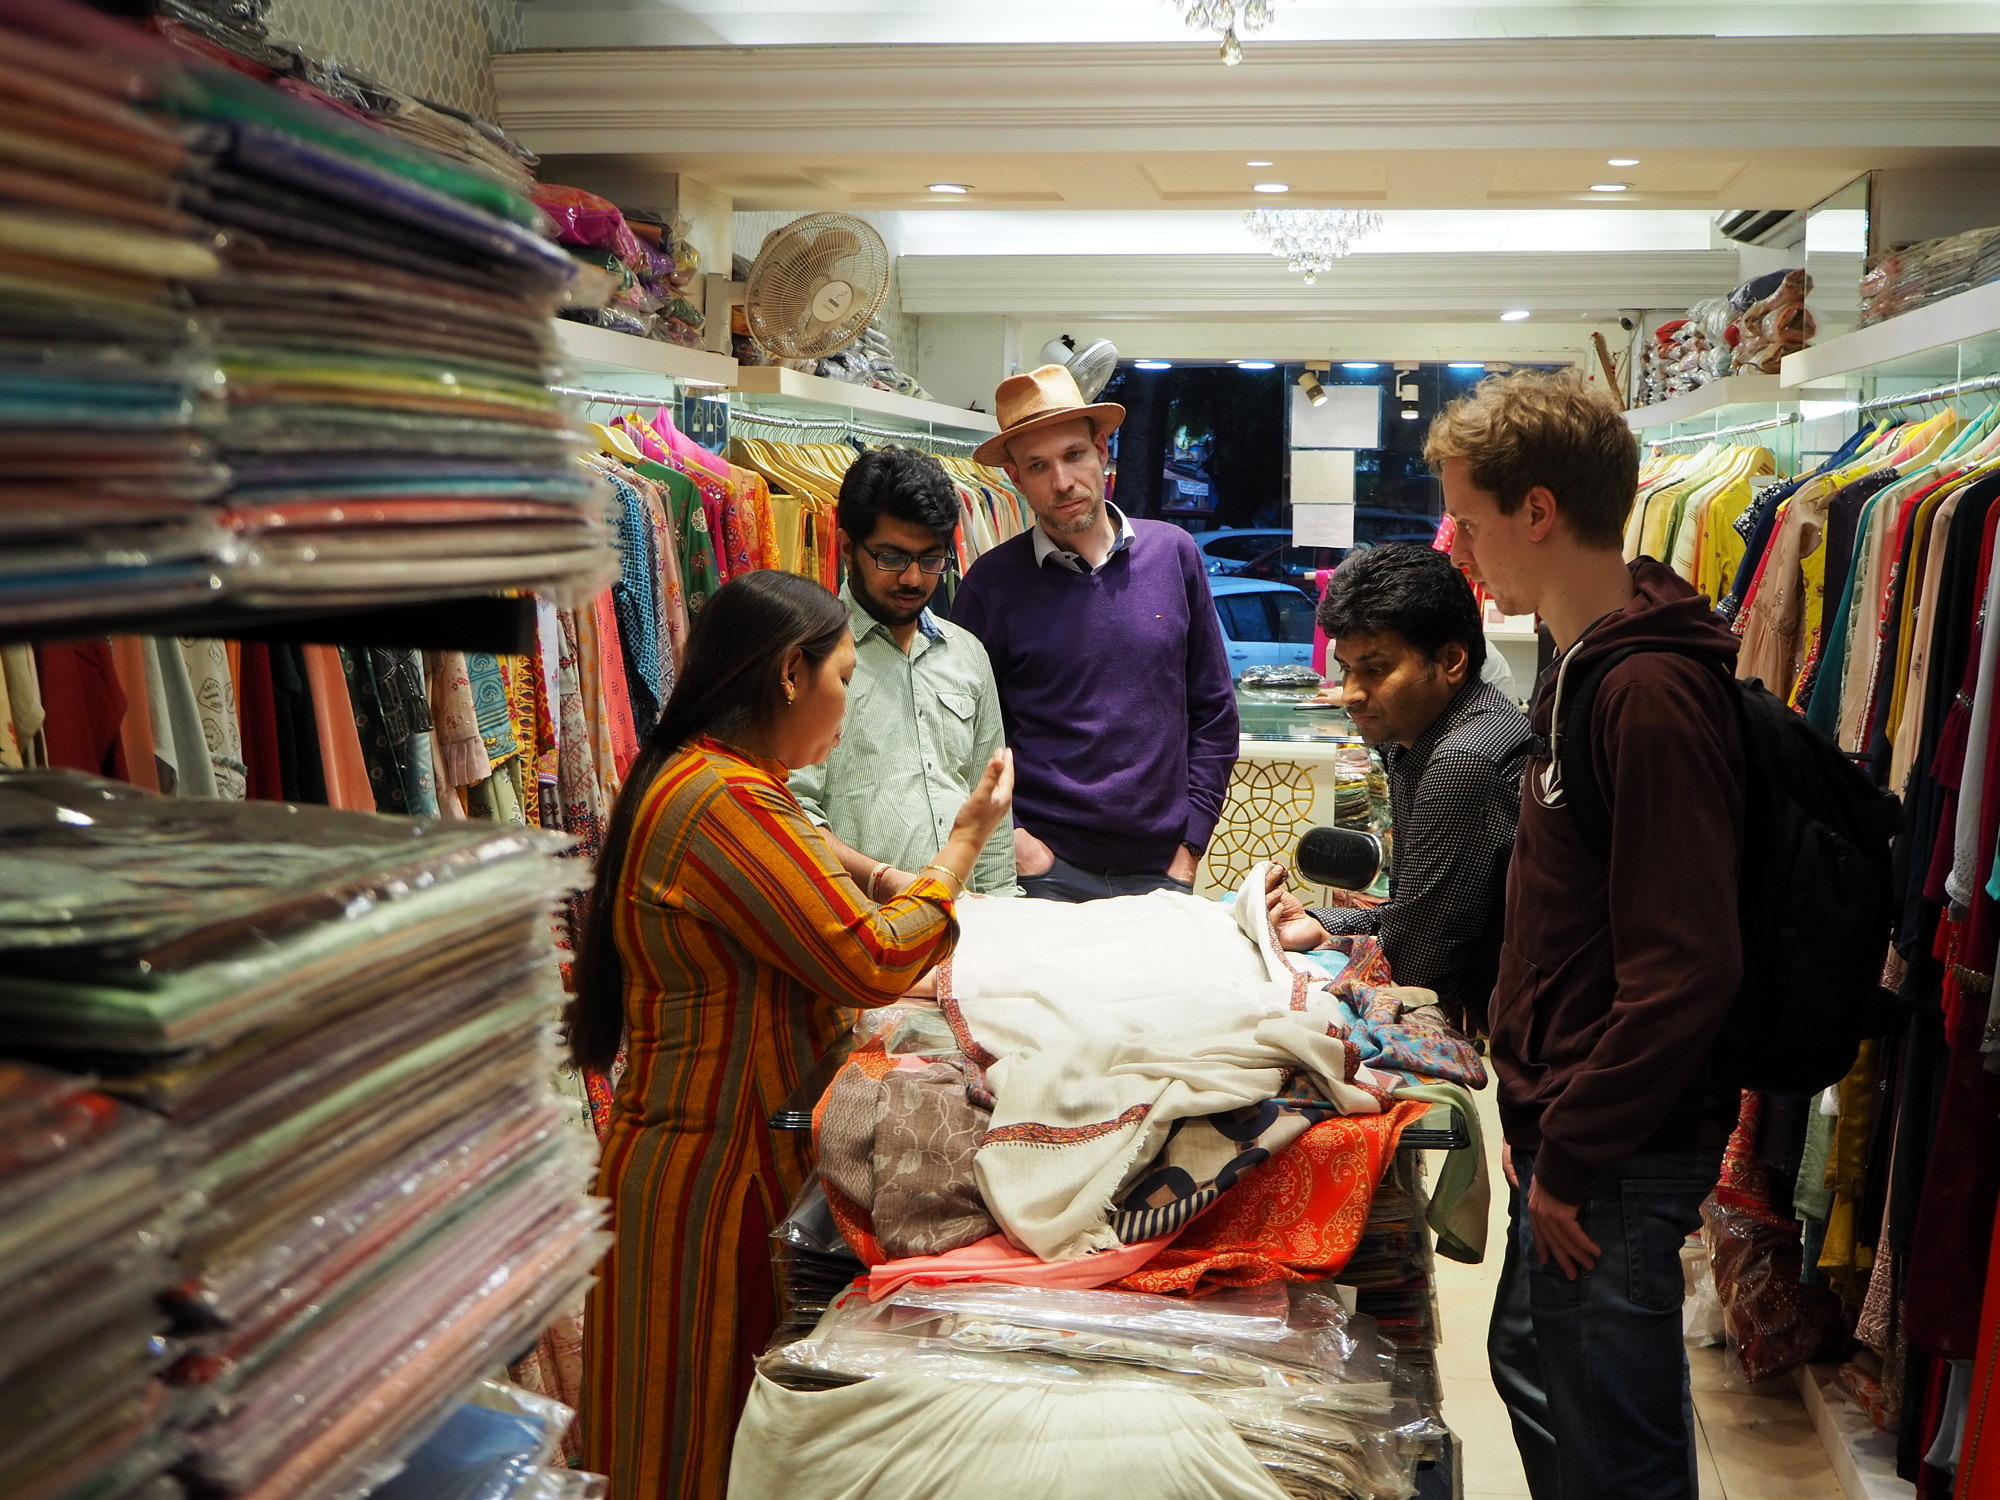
{"x": 688, "y": 451}
{"x": 994, "y": 1259}
{"x": 617, "y": 691}
{"x": 347, "y": 784}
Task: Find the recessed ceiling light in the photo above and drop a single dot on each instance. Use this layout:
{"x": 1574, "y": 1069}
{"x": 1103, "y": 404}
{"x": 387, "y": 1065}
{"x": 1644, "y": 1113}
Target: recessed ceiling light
{"x": 1464, "y": 365}
{"x": 1623, "y": 161}
{"x": 1515, "y": 315}
{"x": 1260, "y": 164}
{"x": 1410, "y": 414}
{"x": 1152, "y": 364}
{"x": 1359, "y": 364}
{"x": 1256, "y": 364}
{"x": 1271, "y": 187}
{"x": 1611, "y": 187}
{"x": 950, "y": 187}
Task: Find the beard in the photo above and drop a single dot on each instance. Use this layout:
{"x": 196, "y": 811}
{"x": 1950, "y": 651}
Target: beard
{"x": 893, "y": 612}
{"x": 1076, "y": 525}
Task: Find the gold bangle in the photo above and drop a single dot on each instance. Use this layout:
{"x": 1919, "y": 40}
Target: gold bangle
{"x": 952, "y": 873}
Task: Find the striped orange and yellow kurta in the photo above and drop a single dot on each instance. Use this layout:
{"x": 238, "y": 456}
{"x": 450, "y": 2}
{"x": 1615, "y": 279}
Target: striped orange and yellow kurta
{"x": 739, "y": 933}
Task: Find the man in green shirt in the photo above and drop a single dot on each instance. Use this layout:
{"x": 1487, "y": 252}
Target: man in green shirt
{"x": 923, "y": 716}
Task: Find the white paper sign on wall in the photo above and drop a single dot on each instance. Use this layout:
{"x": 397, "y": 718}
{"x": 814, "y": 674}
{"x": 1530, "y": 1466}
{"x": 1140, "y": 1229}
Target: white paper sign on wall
{"x": 1350, "y": 418}
{"x": 1323, "y": 497}
{"x": 1323, "y": 525}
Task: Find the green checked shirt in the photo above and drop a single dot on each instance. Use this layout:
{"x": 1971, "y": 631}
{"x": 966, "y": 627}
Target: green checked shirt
{"x": 919, "y": 731}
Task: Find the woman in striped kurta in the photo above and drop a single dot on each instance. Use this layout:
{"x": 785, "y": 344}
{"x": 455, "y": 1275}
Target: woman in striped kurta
{"x": 723, "y": 937}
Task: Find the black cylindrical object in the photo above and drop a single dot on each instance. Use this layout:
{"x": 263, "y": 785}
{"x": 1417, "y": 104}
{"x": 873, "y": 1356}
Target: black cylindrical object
{"x": 1344, "y": 858}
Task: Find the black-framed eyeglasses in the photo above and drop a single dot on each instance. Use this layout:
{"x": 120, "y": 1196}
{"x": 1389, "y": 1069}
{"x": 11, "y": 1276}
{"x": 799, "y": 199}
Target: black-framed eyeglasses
{"x": 891, "y": 561}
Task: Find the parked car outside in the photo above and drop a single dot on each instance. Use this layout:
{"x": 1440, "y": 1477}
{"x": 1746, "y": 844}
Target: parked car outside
{"x": 1295, "y": 565}
{"x": 1263, "y": 624}
{"x": 1230, "y": 549}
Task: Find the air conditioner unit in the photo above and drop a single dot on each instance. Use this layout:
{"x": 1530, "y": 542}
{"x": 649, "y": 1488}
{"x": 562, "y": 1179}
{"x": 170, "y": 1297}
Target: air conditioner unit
{"x": 1760, "y": 226}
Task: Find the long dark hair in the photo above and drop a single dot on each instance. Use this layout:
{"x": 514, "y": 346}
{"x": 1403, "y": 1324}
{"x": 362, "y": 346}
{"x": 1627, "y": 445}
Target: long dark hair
{"x": 731, "y": 682}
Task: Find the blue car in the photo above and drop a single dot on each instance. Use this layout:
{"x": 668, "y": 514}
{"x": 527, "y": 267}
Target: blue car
{"x": 1263, "y": 624}
{"x": 1233, "y": 548}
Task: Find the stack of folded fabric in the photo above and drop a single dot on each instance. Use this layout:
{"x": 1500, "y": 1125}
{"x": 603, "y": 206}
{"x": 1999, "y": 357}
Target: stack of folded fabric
{"x": 381, "y": 317}
{"x": 346, "y": 1024}
{"x": 1306, "y": 1387}
{"x": 105, "y": 475}
{"x": 1392, "y": 1270}
{"x": 650, "y": 270}
{"x": 1928, "y": 270}
{"x": 500, "y": 1445}
{"x": 85, "y": 1217}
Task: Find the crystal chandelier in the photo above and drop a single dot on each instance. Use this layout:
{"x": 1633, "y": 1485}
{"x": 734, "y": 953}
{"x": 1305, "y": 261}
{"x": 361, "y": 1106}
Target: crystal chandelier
{"x": 1312, "y": 239}
{"x": 1225, "y": 18}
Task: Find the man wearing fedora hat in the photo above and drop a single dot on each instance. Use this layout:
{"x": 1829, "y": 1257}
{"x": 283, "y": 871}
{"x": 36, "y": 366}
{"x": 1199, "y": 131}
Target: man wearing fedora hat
{"x": 1114, "y": 689}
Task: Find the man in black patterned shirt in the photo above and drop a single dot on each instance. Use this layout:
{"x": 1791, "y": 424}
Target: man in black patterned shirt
{"x": 1406, "y": 634}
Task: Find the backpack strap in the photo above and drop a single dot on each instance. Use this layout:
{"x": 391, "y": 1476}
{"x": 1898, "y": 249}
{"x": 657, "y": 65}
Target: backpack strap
{"x": 1569, "y": 744}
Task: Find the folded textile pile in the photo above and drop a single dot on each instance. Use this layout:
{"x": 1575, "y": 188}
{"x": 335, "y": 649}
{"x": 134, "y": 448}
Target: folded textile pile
{"x": 1303, "y": 1384}
{"x": 381, "y": 317}
{"x": 1392, "y": 1270}
{"x": 105, "y": 473}
{"x": 346, "y": 1023}
{"x": 86, "y": 1195}
{"x": 652, "y": 269}
{"x": 1928, "y": 270}
{"x": 502, "y": 1444}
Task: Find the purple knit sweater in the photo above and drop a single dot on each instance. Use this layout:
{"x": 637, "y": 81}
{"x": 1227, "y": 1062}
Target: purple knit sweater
{"x": 1115, "y": 694}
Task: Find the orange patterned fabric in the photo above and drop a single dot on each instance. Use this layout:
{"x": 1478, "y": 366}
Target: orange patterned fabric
{"x": 740, "y": 934}
{"x": 1296, "y": 1218}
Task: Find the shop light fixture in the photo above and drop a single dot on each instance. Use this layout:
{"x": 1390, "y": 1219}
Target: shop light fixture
{"x": 1410, "y": 414}
{"x": 1152, "y": 364}
{"x": 1260, "y": 164}
{"x": 1623, "y": 161}
{"x": 957, "y": 189}
{"x": 1611, "y": 187}
{"x": 1515, "y": 315}
{"x": 1315, "y": 392}
{"x": 1466, "y": 365}
{"x": 1255, "y": 364}
{"x": 1271, "y": 187}
{"x": 1362, "y": 365}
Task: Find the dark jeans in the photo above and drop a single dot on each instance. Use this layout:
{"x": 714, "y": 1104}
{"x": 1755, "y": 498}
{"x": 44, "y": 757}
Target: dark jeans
{"x": 1593, "y": 1371}
{"x": 1067, "y": 882}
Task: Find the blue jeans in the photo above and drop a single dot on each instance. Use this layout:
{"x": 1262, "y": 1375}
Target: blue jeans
{"x": 1064, "y": 881}
{"x": 1594, "y": 1371}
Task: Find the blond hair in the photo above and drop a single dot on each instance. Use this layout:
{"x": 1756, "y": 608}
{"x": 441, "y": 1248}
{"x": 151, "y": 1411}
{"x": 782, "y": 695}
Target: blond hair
{"x": 1548, "y": 428}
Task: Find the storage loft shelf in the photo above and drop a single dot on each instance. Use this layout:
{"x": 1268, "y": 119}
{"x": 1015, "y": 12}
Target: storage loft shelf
{"x": 602, "y": 355}
{"x": 773, "y": 388}
{"x": 1919, "y": 345}
{"x": 481, "y": 622}
{"x": 1731, "y": 390}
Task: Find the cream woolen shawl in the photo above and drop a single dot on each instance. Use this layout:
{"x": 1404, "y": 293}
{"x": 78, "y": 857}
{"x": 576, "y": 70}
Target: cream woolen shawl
{"x": 1102, "y": 1024}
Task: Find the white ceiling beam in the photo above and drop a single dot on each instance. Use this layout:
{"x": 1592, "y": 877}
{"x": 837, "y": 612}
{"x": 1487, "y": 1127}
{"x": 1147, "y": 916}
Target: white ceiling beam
{"x": 1197, "y": 287}
{"x": 1737, "y": 93}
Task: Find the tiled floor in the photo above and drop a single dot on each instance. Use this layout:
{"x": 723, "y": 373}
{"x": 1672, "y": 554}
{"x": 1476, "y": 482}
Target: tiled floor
{"x": 1753, "y": 1446}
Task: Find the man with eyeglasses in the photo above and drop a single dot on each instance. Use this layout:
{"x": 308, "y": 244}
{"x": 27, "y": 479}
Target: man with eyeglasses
{"x": 923, "y": 717}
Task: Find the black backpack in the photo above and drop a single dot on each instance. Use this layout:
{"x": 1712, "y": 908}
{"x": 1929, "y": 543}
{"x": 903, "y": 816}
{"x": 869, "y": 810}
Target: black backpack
{"x": 1817, "y": 898}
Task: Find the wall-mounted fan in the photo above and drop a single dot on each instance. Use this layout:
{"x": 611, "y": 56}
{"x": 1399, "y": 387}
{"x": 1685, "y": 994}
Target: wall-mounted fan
{"x": 1092, "y": 366}
{"x": 816, "y": 285}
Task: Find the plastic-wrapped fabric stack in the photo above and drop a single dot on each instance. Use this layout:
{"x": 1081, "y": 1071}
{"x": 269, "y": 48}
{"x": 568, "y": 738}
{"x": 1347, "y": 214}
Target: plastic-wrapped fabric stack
{"x": 346, "y": 1023}
{"x": 381, "y": 317}
{"x": 105, "y": 475}
{"x": 651, "y": 269}
{"x": 1392, "y": 1271}
{"x": 502, "y": 1444}
{"x": 86, "y": 1214}
{"x": 1928, "y": 270}
{"x": 1305, "y": 1385}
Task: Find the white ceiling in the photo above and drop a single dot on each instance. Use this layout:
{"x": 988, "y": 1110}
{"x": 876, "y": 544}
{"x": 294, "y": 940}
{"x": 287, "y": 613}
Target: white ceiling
{"x": 749, "y": 23}
{"x": 1205, "y": 232}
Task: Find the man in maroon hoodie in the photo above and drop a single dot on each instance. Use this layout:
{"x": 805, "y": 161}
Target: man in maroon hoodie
{"x": 1615, "y": 973}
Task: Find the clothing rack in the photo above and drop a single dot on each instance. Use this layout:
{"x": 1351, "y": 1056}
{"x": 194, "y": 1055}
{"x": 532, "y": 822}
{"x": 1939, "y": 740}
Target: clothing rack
{"x": 611, "y": 398}
{"x": 1708, "y": 437}
{"x": 806, "y": 425}
{"x": 1935, "y": 393}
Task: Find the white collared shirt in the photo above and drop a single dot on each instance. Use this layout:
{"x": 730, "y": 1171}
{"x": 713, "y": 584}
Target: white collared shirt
{"x": 1047, "y": 547}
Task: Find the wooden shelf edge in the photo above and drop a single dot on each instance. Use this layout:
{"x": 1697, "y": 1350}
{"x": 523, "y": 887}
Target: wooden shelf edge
{"x": 1941, "y": 325}
{"x": 594, "y": 352}
{"x": 780, "y": 384}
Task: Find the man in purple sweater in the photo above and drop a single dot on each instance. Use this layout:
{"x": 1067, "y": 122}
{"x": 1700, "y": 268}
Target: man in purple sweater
{"x": 1114, "y": 689}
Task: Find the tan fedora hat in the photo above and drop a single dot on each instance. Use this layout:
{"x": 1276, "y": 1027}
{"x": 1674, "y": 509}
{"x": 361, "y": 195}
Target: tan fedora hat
{"x": 1041, "y": 398}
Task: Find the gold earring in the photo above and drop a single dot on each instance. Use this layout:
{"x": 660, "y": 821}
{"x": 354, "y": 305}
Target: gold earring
{"x": 791, "y": 695}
